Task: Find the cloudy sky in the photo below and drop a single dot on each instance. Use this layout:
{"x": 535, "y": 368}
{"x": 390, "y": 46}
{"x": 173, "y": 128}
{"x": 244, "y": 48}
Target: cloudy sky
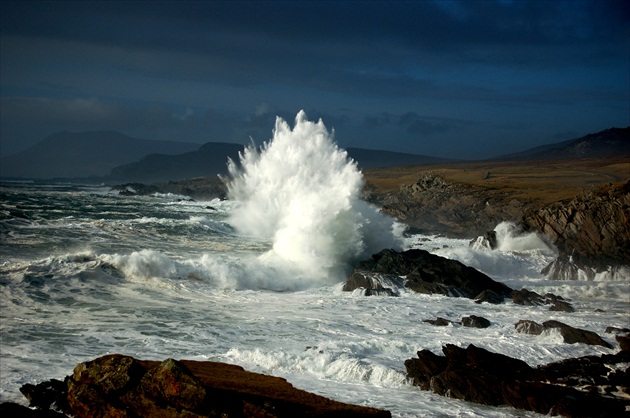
{"x": 460, "y": 78}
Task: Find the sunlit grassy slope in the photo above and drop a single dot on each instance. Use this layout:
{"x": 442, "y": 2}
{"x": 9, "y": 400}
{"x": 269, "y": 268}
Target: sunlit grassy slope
{"x": 542, "y": 181}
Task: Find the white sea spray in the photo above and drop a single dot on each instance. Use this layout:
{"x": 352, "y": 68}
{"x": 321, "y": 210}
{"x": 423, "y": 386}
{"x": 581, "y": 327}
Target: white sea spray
{"x": 302, "y": 193}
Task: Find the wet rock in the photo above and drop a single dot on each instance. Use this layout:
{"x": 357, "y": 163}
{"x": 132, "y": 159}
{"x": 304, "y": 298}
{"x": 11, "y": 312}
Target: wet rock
{"x": 475, "y": 321}
{"x": 624, "y": 341}
{"x": 573, "y": 335}
{"x": 439, "y": 322}
{"x": 374, "y": 284}
{"x": 46, "y": 394}
{"x": 489, "y": 296}
{"x": 122, "y": 386}
{"x": 529, "y": 298}
{"x": 569, "y": 334}
{"x": 582, "y": 387}
{"x": 423, "y": 272}
{"x": 529, "y": 327}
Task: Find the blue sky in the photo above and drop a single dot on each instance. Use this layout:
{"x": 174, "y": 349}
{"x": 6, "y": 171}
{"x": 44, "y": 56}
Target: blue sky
{"x": 460, "y": 79}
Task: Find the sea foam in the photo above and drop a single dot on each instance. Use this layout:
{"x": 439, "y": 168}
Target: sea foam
{"x": 301, "y": 192}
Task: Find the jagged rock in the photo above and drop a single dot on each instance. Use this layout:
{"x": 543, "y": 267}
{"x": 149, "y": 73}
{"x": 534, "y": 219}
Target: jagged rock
{"x": 576, "y": 335}
{"x": 615, "y": 330}
{"x": 475, "y": 321}
{"x": 490, "y": 297}
{"x": 529, "y": 298}
{"x": 569, "y": 334}
{"x": 422, "y": 369}
{"x": 622, "y": 335}
{"x": 487, "y": 241}
{"x": 122, "y": 386}
{"x": 374, "y": 285}
{"x": 463, "y": 210}
{"x": 529, "y": 327}
{"x": 624, "y": 342}
{"x": 45, "y": 394}
{"x": 424, "y": 273}
{"x": 582, "y": 387}
{"x": 591, "y": 232}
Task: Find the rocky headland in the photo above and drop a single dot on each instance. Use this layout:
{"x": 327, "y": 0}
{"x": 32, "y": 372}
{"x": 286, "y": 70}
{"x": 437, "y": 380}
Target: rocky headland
{"x": 581, "y": 206}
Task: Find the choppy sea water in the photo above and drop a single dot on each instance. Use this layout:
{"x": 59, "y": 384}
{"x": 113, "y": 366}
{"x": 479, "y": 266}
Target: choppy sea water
{"x": 256, "y": 281}
{"x": 85, "y": 272}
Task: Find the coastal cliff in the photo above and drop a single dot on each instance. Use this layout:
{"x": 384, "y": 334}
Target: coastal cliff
{"x": 591, "y": 232}
{"x": 585, "y": 218}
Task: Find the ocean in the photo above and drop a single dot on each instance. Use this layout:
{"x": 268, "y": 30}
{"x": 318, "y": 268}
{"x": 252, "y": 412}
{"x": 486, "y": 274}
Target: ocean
{"x": 256, "y": 279}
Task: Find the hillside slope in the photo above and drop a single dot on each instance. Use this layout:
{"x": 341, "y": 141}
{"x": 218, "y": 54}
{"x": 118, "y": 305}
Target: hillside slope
{"x": 84, "y": 154}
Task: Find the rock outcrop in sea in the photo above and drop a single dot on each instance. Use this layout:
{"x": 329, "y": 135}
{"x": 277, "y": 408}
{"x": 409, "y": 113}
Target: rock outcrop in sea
{"x": 590, "y": 386}
{"x": 389, "y": 271}
{"x": 122, "y": 386}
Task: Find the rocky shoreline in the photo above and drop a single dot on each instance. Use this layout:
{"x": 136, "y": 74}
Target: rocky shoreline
{"x": 589, "y": 386}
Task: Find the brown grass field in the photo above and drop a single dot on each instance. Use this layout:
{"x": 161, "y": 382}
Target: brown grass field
{"x": 543, "y": 181}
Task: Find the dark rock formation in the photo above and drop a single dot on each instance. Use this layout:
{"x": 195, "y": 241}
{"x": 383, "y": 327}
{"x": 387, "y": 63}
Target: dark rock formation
{"x": 121, "y": 386}
{"x": 472, "y": 321}
{"x": 570, "y": 334}
{"x": 422, "y": 272}
{"x": 374, "y": 285}
{"x": 529, "y": 298}
{"x": 195, "y": 188}
{"x": 591, "y": 232}
{"x": 438, "y": 322}
{"x": 622, "y": 335}
{"x": 46, "y": 394}
{"x": 525, "y": 326}
{"x": 583, "y": 387}
{"x": 475, "y": 321}
{"x": 573, "y": 335}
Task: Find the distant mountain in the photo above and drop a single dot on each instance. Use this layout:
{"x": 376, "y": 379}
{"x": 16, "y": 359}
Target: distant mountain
{"x": 84, "y": 154}
{"x": 208, "y": 161}
{"x": 211, "y": 159}
{"x": 613, "y": 142}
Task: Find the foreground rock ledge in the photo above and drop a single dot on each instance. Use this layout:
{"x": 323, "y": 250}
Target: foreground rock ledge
{"x": 590, "y": 386}
{"x": 122, "y": 386}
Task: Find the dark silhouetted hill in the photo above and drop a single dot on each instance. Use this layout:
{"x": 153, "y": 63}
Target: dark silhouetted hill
{"x": 84, "y": 154}
{"x": 613, "y": 142}
{"x": 208, "y": 161}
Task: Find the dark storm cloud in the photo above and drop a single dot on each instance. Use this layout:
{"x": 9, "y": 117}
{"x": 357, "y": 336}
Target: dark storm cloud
{"x": 142, "y": 66}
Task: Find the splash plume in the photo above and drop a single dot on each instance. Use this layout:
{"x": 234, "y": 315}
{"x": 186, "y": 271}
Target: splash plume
{"x": 302, "y": 192}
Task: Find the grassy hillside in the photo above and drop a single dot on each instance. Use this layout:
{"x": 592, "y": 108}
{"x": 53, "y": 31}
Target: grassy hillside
{"x": 541, "y": 181}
